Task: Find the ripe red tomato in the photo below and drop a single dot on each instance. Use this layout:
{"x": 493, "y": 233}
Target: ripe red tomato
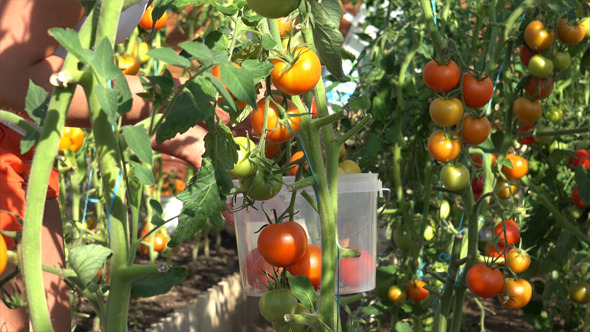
{"x": 147, "y": 21}
{"x": 512, "y": 233}
{"x": 501, "y": 252}
{"x": 272, "y": 150}
{"x": 515, "y": 294}
{"x": 478, "y": 163}
{"x": 577, "y": 200}
{"x": 477, "y": 185}
{"x": 301, "y": 76}
{"x": 537, "y": 37}
{"x": 441, "y": 77}
{"x": 580, "y": 292}
{"x": 416, "y": 291}
{"x": 523, "y": 128}
{"x": 446, "y": 112}
{"x": 519, "y": 167}
{"x": 525, "y": 54}
{"x": 484, "y": 281}
{"x": 160, "y": 241}
{"x": 71, "y": 138}
{"x": 259, "y": 270}
{"x": 282, "y": 244}
{"x": 582, "y": 158}
{"x": 129, "y": 65}
{"x": 454, "y": 176}
{"x": 309, "y": 265}
{"x": 526, "y": 110}
{"x": 296, "y": 156}
{"x": 570, "y": 34}
{"x": 273, "y": 9}
{"x": 538, "y": 88}
{"x": 357, "y": 270}
{"x": 477, "y": 93}
{"x": 518, "y": 260}
{"x": 475, "y": 130}
{"x": 442, "y": 148}
{"x": 277, "y": 132}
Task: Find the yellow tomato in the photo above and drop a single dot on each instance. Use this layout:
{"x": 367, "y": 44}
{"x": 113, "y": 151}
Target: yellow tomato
{"x": 143, "y": 49}
{"x": 349, "y": 166}
{"x": 71, "y": 138}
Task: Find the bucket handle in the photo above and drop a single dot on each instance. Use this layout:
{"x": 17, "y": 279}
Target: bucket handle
{"x": 387, "y": 196}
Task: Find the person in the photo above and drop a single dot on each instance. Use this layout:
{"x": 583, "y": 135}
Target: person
{"x": 28, "y": 52}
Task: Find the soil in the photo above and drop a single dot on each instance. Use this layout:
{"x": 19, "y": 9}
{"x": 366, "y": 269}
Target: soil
{"x": 206, "y": 272}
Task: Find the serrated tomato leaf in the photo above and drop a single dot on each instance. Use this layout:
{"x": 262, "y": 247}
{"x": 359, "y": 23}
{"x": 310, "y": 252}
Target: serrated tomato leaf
{"x": 158, "y": 283}
{"x": 87, "y": 260}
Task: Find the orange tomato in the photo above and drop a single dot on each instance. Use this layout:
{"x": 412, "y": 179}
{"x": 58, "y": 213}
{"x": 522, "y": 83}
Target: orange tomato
{"x": 129, "y": 64}
{"x": 442, "y": 148}
{"x": 71, "y": 138}
{"x": 516, "y": 293}
{"x": 537, "y": 37}
{"x": 147, "y": 22}
{"x": 570, "y": 34}
{"x": 475, "y": 130}
{"x": 301, "y": 76}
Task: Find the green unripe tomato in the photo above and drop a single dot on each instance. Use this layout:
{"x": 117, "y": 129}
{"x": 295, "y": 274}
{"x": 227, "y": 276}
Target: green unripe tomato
{"x": 262, "y": 185}
{"x": 561, "y": 61}
{"x": 244, "y": 166}
{"x": 273, "y": 8}
{"x": 540, "y": 66}
{"x": 554, "y": 114}
{"x": 454, "y": 177}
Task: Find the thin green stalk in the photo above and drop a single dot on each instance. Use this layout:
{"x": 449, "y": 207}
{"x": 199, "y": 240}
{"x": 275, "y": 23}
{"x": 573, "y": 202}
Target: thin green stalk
{"x": 442, "y": 312}
{"x": 437, "y": 39}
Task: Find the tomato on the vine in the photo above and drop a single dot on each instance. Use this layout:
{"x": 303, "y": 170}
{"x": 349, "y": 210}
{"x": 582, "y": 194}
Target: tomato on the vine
{"x": 273, "y": 9}
{"x": 518, "y": 260}
{"x": 475, "y": 130}
{"x": 526, "y": 110}
{"x": 442, "y": 148}
{"x": 160, "y": 241}
{"x": 582, "y": 157}
{"x": 512, "y": 232}
{"x": 561, "y": 61}
{"x": 477, "y": 162}
{"x": 355, "y": 271}
{"x": 276, "y": 132}
{"x": 454, "y": 177}
{"x": 526, "y": 54}
{"x": 477, "y": 185}
{"x": 580, "y": 292}
{"x": 258, "y": 270}
{"x": 349, "y": 166}
{"x": 504, "y": 189}
{"x": 577, "y": 200}
{"x": 277, "y": 303}
{"x": 285, "y": 26}
{"x": 282, "y": 244}
{"x": 147, "y": 22}
{"x": 262, "y": 185}
{"x": 570, "y": 34}
{"x": 484, "y": 281}
{"x": 537, "y": 37}
{"x": 516, "y": 293}
{"x": 129, "y": 64}
{"x": 523, "y": 128}
{"x": 416, "y": 291}
{"x": 441, "y": 77}
{"x": 538, "y": 88}
{"x": 71, "y": 138}
{"x": 244, "y": 167}
{"x": 3, "y": 254}
{"x": 540, "y": 66}
{"x": 446, "y": 112}
{"x": 301, "y": 76}
{"x": 272, "y": 150}
{"x": 295, "y": 157}
{"x": 477, "y": 92}
{"x": 520, "y": 167}
{"x": 140, "y": 52}
{"x": 500, "y": 252}
{"x": 309, "y": 265}
{"x": 554, "y": 114}
{"x": 396, "y": 294}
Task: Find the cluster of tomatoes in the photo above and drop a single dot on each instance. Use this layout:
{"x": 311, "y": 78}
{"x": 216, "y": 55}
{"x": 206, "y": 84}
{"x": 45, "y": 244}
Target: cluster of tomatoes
{"x": 158, "y": 241}
{"x": 414, "y": 291}
{"x": 485, "y": 279}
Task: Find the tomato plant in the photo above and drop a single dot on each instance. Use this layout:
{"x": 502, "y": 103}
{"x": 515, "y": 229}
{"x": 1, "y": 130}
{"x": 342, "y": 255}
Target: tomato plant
{"x": 477, "y": 92}
{"x": 349, "y": 166}
{"x": 477, "y": 162}
{"x": 577, "y": 200}
{"x": 271, "y": 150}
{"x": 512, "y": 232}
{"x": 140, "y": 52}
{"x": 285, "y": 26}
{"x": 147, "y": 21}
{"x": 262, "y": 185}
{"x": 273, "y": 9}
{"x": 3, "y": 254}
{"x": 518, "y": 260}
{"x": 282, "y": 244}
{"x": 525, "y": 54}
{"x": 475, "y": 130}
{"x": 416, "y": 291}
{"x": 543, "y": 139}
{"x": 160, "y": 241}
{"x": 278, "y": 130}
{"x": 484, "y": 281}
{"x": 520, "y": 167}
{"x": 396, "y": 294}
{"x": 537, "y": 37}
{"x": 258, "y": 270}
{"x": 540, "y": 66}
{"x": 71, "y": 138}
{"x": 561, "y": 61}
{"x": 446, "y": 112}
{"x": 523, "y": 128}
{"x": 455, "y": 177}
{"x": 526, "y": 110}
{"x": 505, "y": 189}
{"x": 129, "y": 65}
{"x": 554, "y": 114}
{"x": 355, "y": 271}
{"x": 441, "y": 77}
{"x": 582, "y": 157}
{"x": 570, "y": 34}
{"x": 515, "y": 293}
{"x": 538, "y": 88}
{"x": 309, "y": 265}
{"x": 442, "y": 147}
{"x": 276, "y": 303}
{"x": 580, "y": 292}
{"x": 300, "y": 76}
{"x": 244, "y": 167}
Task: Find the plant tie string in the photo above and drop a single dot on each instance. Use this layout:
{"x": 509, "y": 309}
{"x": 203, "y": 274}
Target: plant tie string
{"x": 433, "y": 4}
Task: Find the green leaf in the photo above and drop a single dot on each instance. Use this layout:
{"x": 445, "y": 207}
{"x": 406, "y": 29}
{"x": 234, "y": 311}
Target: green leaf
{"x": 203, "y": 199}
{"x": 239, "y": 82}
{"x": 29, "y": 140}
{"x": 188, "y": 110}
{"x": 403, "y": 327}
{"x": 36, "y": 103}
{"x": 108, "y": 102}
{"x": 370, "y": 149}
{"x": 143, "y": 174}
{"x": 169, "y": 56}
{"x": 216, "y": 40}
{"x": 258, "y": 70}
{"x": 139, "y": 142}
{"x": 158, "y": 283}
{"x": 103, "y": 61}
{"x": 156, "y": 206}
{"x": 303, "y": 289}
{"x": 268, "y": 42}
{"x": 327, "y": 37}
{"x": 198, "y": 50}
{"x": 360, "y": 103}
{"x": 124, "y": 96}
{"x": 583, "y": 182}
{"x": 87, "y": 260}
{"x": 220, "y": 147}
{"x": 68, "y": 38}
